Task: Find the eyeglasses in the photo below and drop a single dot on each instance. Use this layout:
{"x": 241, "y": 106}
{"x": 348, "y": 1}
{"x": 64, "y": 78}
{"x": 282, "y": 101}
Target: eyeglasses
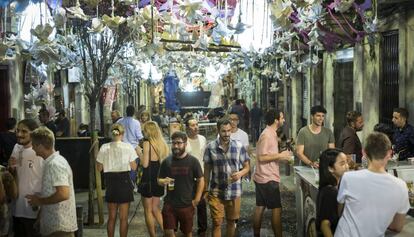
{"x": 177, "y": 143}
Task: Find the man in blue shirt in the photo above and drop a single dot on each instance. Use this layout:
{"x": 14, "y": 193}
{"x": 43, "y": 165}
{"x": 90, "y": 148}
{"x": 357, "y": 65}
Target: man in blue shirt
{"x": 403, "y": 137}
{"x": 226, "y": 162}
{"x": 132, "y": 127}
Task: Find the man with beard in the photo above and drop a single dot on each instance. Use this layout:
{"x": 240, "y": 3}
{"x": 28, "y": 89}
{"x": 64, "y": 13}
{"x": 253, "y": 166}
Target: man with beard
{"x": 195, "y": 146}
{"x": 179, "y": 171}
{"x": 267, "y": 176}
{"x": 403, "y": 137}
{"x": 348, "y": 140}
{"x": 28, "y": 167}
{"x": 226, "y": 162}
{"x": 314, "y": 138}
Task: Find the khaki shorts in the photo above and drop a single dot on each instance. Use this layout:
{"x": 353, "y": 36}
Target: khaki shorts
{"x": 219, "y": 208}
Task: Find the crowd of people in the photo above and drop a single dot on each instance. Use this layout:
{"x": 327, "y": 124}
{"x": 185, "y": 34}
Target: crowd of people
{"x": 193, "y": 174}
{"x": 35, "y": 177}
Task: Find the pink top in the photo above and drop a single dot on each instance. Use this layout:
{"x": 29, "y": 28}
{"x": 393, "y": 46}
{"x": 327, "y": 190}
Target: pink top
{"x": 267, "y": 144}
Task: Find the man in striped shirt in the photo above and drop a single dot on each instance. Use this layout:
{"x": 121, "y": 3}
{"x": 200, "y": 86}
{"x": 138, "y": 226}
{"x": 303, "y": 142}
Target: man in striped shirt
{"x": 226, "y": 162}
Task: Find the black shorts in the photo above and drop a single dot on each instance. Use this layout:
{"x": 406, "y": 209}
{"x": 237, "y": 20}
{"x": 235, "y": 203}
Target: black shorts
{"x": 268, "y": 195}
{"x": 150, "y": 189}
{"x": 119, "y": 187}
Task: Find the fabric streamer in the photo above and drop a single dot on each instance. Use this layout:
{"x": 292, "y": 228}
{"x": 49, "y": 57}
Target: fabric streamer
{"x": 170, "y": 90}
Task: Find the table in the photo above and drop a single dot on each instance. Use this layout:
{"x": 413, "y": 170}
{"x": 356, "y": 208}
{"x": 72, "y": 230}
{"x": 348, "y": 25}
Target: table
{"x": 407, "y": 231}
{"x": 306, "y": 193}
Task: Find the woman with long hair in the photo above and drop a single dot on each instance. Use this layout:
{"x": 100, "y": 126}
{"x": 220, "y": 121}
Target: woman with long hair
{"x": 116, "y": 159}
{"x": 155, "y": 149}
{"x": 144, "y": 117}
{"x": 333, "y": 164}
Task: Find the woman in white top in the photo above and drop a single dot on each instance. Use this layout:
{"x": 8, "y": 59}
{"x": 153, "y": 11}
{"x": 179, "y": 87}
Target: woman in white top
{"x": 116, "y": 159}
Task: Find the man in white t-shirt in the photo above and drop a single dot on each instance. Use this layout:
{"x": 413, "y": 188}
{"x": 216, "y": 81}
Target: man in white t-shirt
{"x": 28, "y": 167}
{"x": 236, "y": 133}
{"x": 374, "y": 199}
{"x": 196, "y": 145}
{"x": 57, "y": 199}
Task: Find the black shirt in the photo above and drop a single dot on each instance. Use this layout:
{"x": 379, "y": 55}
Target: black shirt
{"x": 52, "y": 126}
{"x": 256, "y": 116}
{"x": 7, "y": 142}
{"x": 404, "y": 142}
{"x": 63, "y": 125}
{"x": 327, "y": 207}
{"x": 184, "y": 172}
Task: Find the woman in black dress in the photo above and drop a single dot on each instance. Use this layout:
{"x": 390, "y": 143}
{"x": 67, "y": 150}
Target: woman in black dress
{"x": 155, "y": 149}
{"x": 333, "y": 164}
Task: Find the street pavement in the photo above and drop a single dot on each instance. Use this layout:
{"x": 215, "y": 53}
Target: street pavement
{"x": 137, "y": 226}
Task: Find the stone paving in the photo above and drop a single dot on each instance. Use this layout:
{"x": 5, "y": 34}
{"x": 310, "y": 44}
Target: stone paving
{"x": 137, "y": 224}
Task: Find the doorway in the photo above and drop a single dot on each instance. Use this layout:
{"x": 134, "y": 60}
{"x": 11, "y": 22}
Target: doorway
{"x": 343, "y": 93}
{"x": 4, "y": 96}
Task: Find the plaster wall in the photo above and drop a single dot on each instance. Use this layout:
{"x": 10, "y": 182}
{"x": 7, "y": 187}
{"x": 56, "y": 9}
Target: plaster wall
{"x": 409, "y": 66}
{"x": 328, "y": 87}
{"x": 296, "y": 100}
{"x": 370, "y": 88}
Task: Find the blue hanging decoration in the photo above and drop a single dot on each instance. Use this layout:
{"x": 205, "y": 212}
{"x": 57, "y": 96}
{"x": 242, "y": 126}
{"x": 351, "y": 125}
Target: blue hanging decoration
{"x": 170, "y": 91}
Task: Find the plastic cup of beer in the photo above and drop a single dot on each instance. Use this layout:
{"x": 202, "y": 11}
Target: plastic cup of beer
{"x": 171, "y": 185}
{"x": 292, "y": 160}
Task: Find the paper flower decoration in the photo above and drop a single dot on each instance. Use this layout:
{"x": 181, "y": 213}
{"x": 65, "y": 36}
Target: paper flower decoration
{"x": 46, "y": 53}
{"x": 343, "y": 5}
{"x": 113, "y": 22}
{"x": 136, "y": 22}
{"x": 42, "y": 32}
{"x": 314, "y": 38}
{"x": 190, "y": 9}
{"x": 281, "y": 10}
{"x": 220, "y": 31}
{"x": 153, "y": 49}
{"x": 77, "y": 12}
{"x": 372, "y": 26}
{"x": 273, "y": 87}
{"x": 96, "y": 26}
{"x": 60, "y": 17}
{"x": 202, "y": 42}
{"x": 240, "y": 27}
{"x": 310, "y": 2}
{"x": 146, "y": 13}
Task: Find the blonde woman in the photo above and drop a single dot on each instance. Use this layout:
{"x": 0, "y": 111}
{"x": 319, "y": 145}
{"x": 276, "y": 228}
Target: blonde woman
{"x": 116, "y": 159}
{"x": 144, "y": 117}
{"x": 155, "y": 149}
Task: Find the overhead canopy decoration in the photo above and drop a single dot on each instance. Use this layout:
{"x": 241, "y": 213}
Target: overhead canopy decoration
{"x": 305, "y": 27}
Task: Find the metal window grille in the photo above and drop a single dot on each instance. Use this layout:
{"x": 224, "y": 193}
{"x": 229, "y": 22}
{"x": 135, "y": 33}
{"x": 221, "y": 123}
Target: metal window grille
{"x": 389, "y": 76}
